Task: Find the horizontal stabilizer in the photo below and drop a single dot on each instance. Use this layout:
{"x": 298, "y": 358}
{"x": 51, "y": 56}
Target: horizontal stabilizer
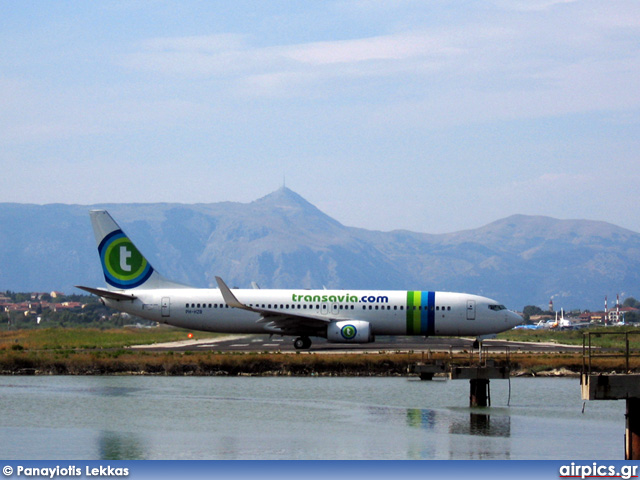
{"x": 101, "y": 292}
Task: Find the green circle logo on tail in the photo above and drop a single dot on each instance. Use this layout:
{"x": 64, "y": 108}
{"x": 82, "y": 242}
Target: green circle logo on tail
{"x": 123, "y": 264}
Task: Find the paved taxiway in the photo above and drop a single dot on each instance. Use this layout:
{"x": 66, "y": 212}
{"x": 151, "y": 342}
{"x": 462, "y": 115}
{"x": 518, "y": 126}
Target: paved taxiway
{"x": 264, "y": 343}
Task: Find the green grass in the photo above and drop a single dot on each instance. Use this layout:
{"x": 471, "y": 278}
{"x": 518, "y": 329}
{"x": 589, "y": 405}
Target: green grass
{"x": 603, "y": 337}
{"x": 90, "y": 338}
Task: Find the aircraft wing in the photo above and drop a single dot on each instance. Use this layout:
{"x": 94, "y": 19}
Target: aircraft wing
{"x": 274, "y": 319}
{"x": 101, "y": 292}
{"x": 291, "y": 323}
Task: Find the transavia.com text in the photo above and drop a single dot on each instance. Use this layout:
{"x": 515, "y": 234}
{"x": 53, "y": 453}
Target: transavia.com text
{"x": 66, "y": 471}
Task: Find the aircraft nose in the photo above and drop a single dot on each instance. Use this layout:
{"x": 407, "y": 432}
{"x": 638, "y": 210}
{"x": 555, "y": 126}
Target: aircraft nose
{"x": 514, "y": 319}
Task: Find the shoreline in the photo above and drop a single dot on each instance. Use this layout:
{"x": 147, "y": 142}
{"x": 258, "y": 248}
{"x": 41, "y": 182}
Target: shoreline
{"x": 59, "y": 351}
{"x": 131, "y": 362}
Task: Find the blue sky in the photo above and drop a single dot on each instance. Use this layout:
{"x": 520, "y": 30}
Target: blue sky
{"x": 429, "y": 116}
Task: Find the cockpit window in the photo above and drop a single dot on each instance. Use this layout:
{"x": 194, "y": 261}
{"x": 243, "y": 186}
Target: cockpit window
{"x": 497, "y": 307}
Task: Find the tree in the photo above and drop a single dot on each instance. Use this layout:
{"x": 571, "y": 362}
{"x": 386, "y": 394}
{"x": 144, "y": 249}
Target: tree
{"x": 531, "y": 310}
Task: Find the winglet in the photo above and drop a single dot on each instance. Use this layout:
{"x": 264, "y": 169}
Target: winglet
{"x": 228, "y": 296}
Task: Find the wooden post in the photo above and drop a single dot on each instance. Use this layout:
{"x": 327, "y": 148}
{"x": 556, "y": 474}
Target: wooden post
{"x": 632, "y": 433}
{"x": 478, "y": 392}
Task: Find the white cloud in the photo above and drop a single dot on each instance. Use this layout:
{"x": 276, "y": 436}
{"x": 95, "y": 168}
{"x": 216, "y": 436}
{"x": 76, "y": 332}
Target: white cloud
{"x": 513, "y": 65}
{"x": 531, "y": 5}
{"x": 389, "y": 47}
{"x": 210, "y": 56}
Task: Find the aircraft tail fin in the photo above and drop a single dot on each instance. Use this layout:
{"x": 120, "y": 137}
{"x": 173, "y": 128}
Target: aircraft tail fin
{"x": 124, "y": 267}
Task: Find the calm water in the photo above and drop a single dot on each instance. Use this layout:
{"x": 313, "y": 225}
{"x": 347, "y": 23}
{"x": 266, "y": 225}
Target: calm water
{"x": 300, "y": 418}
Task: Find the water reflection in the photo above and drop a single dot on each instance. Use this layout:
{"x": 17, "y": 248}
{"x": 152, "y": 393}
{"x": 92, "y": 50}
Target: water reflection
{"x": 458, "y": 423}
{"x": 120, "y": 446}
{"x": 482, "y": 424}
{"x": 421, "y": 418}
{"x": 486, "y": 434}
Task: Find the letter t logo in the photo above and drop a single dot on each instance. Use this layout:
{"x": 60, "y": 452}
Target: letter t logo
{"x": 124, "y": 255}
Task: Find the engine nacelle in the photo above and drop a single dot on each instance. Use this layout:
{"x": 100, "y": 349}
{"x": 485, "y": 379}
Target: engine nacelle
{"x": 350, "y": 331}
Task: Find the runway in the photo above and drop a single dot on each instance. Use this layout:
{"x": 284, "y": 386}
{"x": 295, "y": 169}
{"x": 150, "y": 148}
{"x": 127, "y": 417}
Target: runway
{"x": 265, "y": 343}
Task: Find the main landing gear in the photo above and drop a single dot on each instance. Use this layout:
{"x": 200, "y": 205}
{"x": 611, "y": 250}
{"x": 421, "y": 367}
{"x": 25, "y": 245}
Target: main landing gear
{"x": 302, "y": 343}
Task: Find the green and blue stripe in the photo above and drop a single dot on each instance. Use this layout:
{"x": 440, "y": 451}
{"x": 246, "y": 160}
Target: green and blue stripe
{"x": 421, "y": 313}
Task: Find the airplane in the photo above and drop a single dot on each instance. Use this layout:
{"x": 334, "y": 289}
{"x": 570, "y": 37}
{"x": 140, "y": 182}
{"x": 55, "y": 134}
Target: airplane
{"x": 563, "y": 323}
{"x": 339, "y": 316}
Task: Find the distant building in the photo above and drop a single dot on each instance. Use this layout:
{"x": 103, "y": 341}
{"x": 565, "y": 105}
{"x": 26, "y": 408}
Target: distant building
{"x": 539, "y": 318}
{"x": 617, "y": 315}
{"x": 67, "y": 306}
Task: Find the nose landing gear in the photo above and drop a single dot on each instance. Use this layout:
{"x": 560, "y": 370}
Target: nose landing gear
{"x": 302, "y": 343}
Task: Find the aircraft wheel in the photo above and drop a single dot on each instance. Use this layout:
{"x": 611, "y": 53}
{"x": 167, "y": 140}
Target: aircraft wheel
{"x": 476, "y": 344}
{"x": 302, "y": 343}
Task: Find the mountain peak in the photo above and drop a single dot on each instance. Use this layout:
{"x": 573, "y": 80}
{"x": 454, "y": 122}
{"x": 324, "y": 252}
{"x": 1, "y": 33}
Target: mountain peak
{"x": 289, "y": 204}
{"x": 283, "y": 196}
{"x": 287, "y": 200}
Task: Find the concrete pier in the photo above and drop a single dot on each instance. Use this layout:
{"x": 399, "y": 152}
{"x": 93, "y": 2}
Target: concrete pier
{"x": 614, "y": 386}
{"x": 478, "y": 375}
{"x": 427, "y": 371}
{"x": 618, "y": 387}
{"x": 479, "y": 389}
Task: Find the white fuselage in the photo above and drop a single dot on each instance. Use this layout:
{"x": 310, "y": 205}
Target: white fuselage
{"x": 388, "y": 312}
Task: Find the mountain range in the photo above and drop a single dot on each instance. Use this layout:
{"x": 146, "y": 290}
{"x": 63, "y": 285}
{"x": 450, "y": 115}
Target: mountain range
{"x": 283, "y": 241}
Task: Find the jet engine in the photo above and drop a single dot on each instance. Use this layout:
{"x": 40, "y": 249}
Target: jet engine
{"x": 350, "y": 331}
